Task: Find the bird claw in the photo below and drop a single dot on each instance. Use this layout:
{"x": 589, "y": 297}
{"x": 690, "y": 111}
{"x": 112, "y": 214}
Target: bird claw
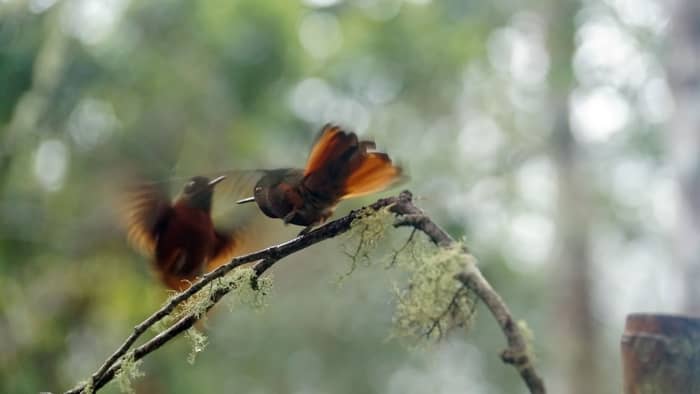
{"x": 288, "y": 217}
{"x": 305, "y": 230}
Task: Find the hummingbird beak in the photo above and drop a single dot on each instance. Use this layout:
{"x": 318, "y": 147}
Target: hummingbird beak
{"x": 245, "y": 200}
{"x": 216, "y": 180}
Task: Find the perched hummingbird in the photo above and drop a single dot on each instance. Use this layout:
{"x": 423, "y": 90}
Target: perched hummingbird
{"x": 179, "y": 236}
{"x": 339, "y": 167}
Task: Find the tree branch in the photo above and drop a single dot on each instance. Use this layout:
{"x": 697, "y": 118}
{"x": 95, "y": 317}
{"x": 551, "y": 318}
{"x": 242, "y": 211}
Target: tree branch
{"x": 516, "y": 354}
{"x": 408, "y": 215}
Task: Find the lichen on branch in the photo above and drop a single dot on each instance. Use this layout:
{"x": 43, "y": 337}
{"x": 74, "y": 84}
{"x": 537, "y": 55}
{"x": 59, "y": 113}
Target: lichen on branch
{"x": 199, "y": 342}
{"x": 129, "y": 369}
{"x": 366, "y": 232}
{"x": 431, "y": 303}
{"x": 247, "y": 289}
{"x": 250, "y": 288}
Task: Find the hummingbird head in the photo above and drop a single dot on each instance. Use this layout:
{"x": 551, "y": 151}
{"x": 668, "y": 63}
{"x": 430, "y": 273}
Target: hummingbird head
{"x": 271, "y": 191}
{"x": 198, "y": 192}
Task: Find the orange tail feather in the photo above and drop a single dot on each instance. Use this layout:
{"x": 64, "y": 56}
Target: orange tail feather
{"x": 341, "y": 167}
{"x": 374, "y": 174}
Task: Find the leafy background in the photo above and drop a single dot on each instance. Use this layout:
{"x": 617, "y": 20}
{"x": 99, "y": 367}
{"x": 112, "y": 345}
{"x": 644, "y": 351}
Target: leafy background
{"x": 534, "y": 130}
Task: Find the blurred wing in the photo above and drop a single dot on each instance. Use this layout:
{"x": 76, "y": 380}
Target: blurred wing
{"x": 375, "y": 173}
{"x": 237, "y": 185}
{"x": 250, "y": 236}
{"x": 143, "y": 208}
{"x": 239, "y": 227}
{"x": 228, "y": 245}
{"x": 330, "y": 147}
{"x": 164, "y": 271}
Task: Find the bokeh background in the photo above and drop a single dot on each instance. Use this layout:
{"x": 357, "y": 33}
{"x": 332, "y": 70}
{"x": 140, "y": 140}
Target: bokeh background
{"x": 559, "y": 138}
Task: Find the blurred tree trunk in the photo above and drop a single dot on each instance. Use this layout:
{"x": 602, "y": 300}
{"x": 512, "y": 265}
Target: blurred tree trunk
{"x": 684, "y": 77}
{"x": 572, "y": 317}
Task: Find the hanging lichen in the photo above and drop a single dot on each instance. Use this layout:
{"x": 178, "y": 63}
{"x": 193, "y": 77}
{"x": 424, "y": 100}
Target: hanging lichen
{"x": 163, "y": 324}
{"x": 247, "y": 289}
{"x": 366, "y": 231}
{"x": 88, "y": 386}
{"x": 244, "y": 288}
{"x": 242, "y": 284}
{"x": 129, "y": 369}
{"x": 198, "y": 341}
{"x": 431, "y": 303}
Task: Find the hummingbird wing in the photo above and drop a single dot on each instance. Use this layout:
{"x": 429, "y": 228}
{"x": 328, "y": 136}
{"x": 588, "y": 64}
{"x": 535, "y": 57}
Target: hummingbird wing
{"x": 238, "y": 228}
{"x": 229, "y": 244}
{"x": 330, "y": 151}
{"x": 373, "y": 172}
{"x": 167, "y": 272}
{"x": 226, "y": 214}
{"x": 343, "y": 166}
{"x": 144, "y": 207}
{"x": 238, "y": 184}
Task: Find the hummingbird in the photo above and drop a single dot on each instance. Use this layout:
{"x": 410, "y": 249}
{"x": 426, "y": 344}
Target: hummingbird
{"x": 340, "y": 166}
{"x": 179, "y": 235}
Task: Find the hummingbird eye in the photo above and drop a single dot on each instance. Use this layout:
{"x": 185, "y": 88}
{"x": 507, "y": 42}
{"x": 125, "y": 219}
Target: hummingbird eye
{"x": 189, "y": 186}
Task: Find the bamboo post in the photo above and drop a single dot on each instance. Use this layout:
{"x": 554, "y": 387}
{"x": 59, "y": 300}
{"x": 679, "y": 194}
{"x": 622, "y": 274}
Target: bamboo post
{"x": 661, "y": 354}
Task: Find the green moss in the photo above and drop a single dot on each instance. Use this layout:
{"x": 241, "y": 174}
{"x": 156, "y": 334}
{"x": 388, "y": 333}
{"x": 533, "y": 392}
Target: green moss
{"x": 88, "y": 386}
{"x": 529, "y": 337}
{"x": 198, "y": 304}
{"x": 163, "y": 324}
{"x": 129, "y": 369}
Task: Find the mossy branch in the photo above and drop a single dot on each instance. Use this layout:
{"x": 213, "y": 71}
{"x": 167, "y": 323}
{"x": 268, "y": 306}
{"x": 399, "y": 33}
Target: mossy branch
{"x": 517, "y": 353}
{"x": 407, "y": 214}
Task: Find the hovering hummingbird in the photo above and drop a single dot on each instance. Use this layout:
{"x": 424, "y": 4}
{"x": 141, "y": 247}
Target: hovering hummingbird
{"x": 340, "y": 166}
{"x": 179, "y": 235}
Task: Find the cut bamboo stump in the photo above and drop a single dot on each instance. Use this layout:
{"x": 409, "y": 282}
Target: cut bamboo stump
{"x": 661, "y": 354}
